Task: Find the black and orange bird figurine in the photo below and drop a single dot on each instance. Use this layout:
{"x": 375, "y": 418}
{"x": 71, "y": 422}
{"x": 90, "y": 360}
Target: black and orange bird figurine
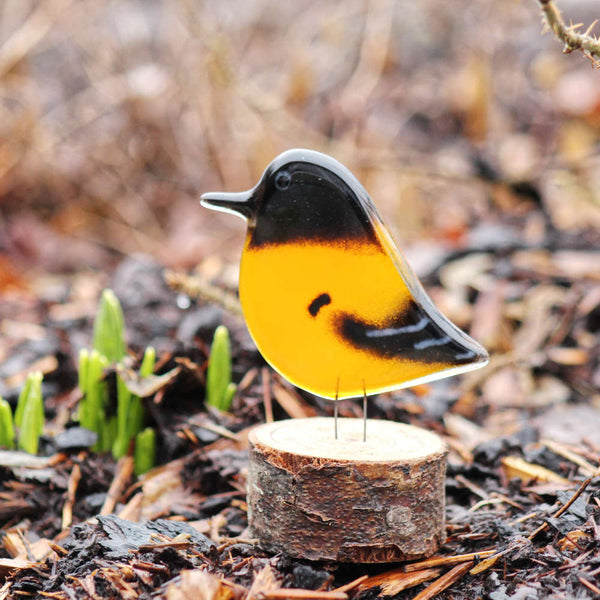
{"x": 328, "y": 297}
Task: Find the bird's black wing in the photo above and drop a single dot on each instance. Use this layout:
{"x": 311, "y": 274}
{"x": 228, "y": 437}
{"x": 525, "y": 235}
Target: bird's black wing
{"x": 412, "y": 334}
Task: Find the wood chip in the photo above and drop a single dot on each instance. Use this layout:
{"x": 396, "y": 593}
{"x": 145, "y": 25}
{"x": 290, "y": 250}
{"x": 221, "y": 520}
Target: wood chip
{"x": 293, "y": 405}
{"x": 444, "y": 582}
{"x": 440, "y": 561}
{"x": 393, "y": 582}
{"x": 8, "y": 565}
{"x": 264, "y": 582}
{"x": 19, "y": 547}
{"x": 60, "y": 551}
{"x": 485, "y": 564}
{"x": 14, "y": 544}
{"x": 298, "y": 594}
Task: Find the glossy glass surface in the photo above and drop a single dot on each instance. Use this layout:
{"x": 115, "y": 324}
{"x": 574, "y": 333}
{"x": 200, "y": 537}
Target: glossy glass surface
{"x": 328, "y": 297}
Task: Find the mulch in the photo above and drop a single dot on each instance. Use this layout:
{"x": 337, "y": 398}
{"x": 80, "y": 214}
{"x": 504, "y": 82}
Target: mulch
{"x": 479, "y": 143}
{"x": 523, "y": 516}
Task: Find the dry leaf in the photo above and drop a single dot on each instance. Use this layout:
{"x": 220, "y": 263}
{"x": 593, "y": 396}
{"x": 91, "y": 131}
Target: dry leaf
{"x": 515, "y": 466}
{"x": 264, "y": 582}
{"x": 145, "y": 386}
{"x": 198, "y": 585}
{"x": 574, "y": 540}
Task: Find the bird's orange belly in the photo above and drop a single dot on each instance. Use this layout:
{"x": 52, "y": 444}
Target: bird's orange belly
{"x": 293, "y": 295}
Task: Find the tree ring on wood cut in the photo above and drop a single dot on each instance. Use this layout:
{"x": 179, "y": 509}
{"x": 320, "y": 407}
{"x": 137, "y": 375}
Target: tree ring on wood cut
{"x": 315, "y": 497}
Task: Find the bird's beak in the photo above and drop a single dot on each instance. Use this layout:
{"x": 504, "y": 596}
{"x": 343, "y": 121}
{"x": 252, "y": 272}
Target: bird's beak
{"x": 240, "y": 203}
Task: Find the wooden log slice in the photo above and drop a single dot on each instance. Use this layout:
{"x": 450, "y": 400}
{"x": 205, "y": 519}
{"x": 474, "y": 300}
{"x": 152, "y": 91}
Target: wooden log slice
{"x": 315, "y": 497}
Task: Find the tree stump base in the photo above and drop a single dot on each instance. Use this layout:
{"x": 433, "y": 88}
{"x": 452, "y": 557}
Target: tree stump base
{"x": 314, "y": 497}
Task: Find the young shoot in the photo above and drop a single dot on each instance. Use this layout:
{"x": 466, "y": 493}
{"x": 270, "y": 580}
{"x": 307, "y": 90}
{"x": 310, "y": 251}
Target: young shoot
{"x": 92, "y": 408}
{"x": 130, "y": 410}
{"x": 115, "y": 433}
{"x": 109, "y": 328}
{"x": 219, "y": 387}
{"x": 145, "y": 450}
{"x": 29, "y": 416}
{"x": 7, "y": 429}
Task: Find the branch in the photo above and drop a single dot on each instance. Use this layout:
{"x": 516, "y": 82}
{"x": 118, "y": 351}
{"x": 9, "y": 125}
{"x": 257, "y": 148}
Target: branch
{"x": 572, "y": 39}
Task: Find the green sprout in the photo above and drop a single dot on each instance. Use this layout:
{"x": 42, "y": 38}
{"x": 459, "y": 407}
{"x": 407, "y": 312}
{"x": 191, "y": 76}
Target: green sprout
{"x": 92, "y": 409}
{"x": 109, "y": 328}
{"x": 137, "y": 409}
{"x": 29, "y": 416}
{"x": 7, "y": 429}
{"x": 109, "y": 341}
{"x": 115, "y": 433}
{"x": 219, "y": 387}
{"x": 130, "y": 410}
{"x": 145, "y": 450}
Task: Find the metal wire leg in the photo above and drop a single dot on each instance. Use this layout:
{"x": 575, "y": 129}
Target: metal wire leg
{"x": 335, "y": 409}
{"x": 364, "y": 414}
{"x": 335, "y": 418}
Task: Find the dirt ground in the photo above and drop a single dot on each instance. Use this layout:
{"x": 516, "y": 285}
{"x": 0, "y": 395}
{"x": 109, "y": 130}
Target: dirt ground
{"x": 479, "y": 142}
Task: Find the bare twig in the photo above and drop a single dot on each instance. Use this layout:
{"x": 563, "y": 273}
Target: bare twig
{"x": 353, "y": 584}
{"x": 197, "y": 287}
{"x": 572, "y": 39}
{"x": 67, "y": 514}
{"x": 266, "y": 381}
{"x": 563, "y": 509}
{"x": 590, "y": 585}
{"x": 122, "y": 476}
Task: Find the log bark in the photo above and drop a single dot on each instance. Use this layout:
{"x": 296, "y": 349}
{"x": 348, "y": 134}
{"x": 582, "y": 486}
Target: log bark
{"x": 314, "y": 497}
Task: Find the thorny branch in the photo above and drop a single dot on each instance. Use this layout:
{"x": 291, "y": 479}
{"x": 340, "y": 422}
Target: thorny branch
{"x": 572, "y": 39}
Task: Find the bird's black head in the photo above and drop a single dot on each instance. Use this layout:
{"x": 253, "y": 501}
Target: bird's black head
{"x": 302, "y": 196}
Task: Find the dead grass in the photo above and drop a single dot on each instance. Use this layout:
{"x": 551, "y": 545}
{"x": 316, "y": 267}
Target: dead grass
{"x": 115, "y": 116}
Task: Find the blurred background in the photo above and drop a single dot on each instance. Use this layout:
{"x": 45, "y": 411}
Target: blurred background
{"x": 461, "y": 119}
{"x": 477, "y": 138}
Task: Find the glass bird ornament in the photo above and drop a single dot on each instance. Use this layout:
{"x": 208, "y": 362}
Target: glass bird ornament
{"x": 328, "y": 297}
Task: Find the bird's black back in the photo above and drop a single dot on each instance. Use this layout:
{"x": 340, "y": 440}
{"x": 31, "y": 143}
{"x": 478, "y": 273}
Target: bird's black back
{"x": 306, "y": 201}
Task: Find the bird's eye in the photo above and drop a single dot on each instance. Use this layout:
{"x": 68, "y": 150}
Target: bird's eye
{"x": 283, "y": 180}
